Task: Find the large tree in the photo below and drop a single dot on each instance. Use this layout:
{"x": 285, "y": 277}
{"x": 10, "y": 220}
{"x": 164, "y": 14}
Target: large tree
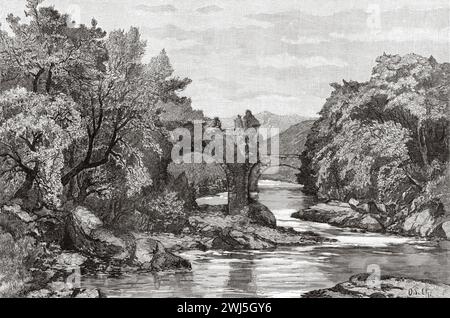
{"x": 103, "y": 80}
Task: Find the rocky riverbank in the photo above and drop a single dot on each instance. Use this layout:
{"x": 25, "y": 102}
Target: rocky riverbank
{"x": 76, "y": 242}
{"x": 366, "y": 286}
{"x": 428, "y": 222}
{"x": 45, "y": 253}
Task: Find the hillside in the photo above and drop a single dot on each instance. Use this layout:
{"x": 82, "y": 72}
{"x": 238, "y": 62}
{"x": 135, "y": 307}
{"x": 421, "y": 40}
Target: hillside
{"x": 270, "y": 120}
{"x": 292, "y": 141}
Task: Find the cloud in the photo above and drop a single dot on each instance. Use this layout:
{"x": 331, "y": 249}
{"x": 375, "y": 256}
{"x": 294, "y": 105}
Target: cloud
{"x": 156, "y": 9}
{"x": 282, "y": 61}
{"x": 210, "y": 9}
{"x": 278, "y": 56}
{"x": 397, "y": 35}
{"x": 305, "y": 40}
{"x": 155, "y": 45}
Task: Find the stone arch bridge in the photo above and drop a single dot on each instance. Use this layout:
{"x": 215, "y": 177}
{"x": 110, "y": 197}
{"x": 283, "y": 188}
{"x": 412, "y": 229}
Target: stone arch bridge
{"x": 242, "y": 179}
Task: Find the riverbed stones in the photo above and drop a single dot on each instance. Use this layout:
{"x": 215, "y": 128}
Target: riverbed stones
{"x": 362, "y": 286}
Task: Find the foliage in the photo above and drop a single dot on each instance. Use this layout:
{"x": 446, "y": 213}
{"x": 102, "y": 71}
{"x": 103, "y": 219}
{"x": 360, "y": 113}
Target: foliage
{"x": 34, "y": 131}
{"x": 384, "y": 140}
{"x": 16, "y": 258}
{"x": 206, "y": 178}
{"x": 88, "y": 111}
{"x": 164, "y": 212}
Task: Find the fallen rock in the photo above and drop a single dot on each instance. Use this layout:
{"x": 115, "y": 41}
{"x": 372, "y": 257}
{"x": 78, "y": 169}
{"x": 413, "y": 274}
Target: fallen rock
{"x": 363, "y": 286}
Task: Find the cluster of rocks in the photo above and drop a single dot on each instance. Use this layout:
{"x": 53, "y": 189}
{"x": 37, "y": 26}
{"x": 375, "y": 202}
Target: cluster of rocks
{"x": 93, "y": 247}
{"x": 426, "y": 222}
{"x": 366, "y": 286}
{"x": 87, "y": 234}
{"x": 254, "y": 229}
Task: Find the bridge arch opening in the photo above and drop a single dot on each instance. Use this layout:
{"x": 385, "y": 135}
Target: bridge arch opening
{"x": 282, "y": 172}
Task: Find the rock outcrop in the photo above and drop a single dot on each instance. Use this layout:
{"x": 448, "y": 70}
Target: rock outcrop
{"x": 340, "y": 214}
{"x": 427, "y": 222}
{"x": 260, "y": 214}
{"x": 87, "y": 235}
{"x": 218, "y": 231}
{"x": 364, "y": 286}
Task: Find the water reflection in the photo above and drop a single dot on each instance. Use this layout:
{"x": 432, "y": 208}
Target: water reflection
{"x": 241, "y": 278}
{"x": 287, "y": 272}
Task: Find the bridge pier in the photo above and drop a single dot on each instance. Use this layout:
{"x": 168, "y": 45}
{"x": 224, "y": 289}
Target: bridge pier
{"x": 238, "y": 187}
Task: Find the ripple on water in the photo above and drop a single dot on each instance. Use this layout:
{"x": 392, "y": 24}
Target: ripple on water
{"x": 287, "y": 271}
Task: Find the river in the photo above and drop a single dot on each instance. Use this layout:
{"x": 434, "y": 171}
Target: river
{"x": 289, "y": 271}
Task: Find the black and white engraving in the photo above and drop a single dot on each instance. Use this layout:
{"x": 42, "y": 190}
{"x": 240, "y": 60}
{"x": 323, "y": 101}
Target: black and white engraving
{"x": 224, "y": 149}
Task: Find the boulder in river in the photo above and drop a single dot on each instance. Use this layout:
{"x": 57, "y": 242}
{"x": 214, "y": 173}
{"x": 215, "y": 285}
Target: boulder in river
{"x": 260, "y": 214}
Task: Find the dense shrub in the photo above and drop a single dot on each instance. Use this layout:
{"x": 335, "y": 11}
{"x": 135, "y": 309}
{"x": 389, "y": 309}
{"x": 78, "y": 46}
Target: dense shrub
{"x": 164, "y": 212}
{"x": 17, "y": 257}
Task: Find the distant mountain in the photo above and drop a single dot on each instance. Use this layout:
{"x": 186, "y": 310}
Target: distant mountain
{"x": 270, "y": 120}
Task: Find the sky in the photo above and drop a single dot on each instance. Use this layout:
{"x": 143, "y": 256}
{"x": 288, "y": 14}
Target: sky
{"x": 269, "y": 55}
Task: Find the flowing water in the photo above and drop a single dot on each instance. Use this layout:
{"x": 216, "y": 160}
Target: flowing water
{"x": 289, "y": 271}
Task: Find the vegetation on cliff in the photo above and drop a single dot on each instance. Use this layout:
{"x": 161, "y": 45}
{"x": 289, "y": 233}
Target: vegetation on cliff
{"x": 386, "y": 140}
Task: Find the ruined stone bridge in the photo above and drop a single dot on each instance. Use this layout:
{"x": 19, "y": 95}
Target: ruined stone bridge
{"x": 242, "y": 176}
